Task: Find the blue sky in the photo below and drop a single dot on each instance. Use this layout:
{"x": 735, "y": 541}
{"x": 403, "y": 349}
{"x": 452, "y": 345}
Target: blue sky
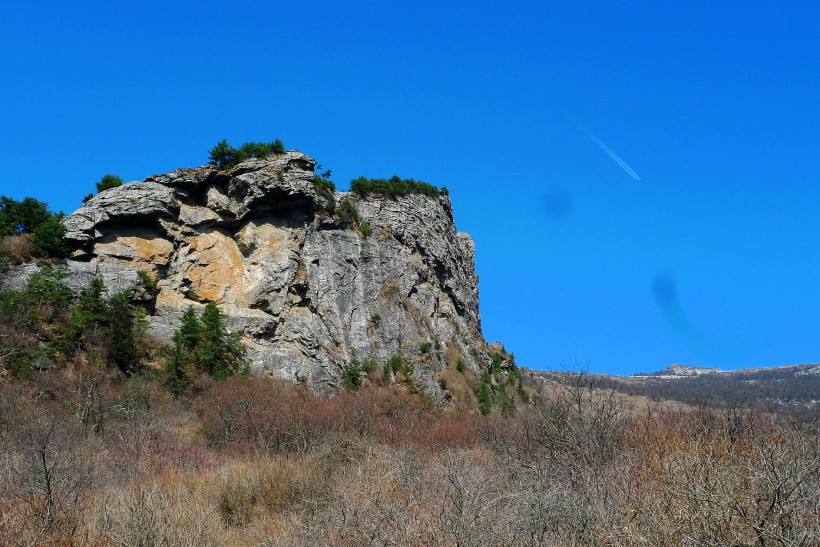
{"x": 711, "y": 259}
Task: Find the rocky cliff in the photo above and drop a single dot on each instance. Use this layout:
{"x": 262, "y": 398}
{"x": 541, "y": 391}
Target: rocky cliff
{"x": 308, "y": 291}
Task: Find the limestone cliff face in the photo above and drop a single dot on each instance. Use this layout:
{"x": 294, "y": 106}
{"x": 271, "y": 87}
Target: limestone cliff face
{"x": 308, "y": 292}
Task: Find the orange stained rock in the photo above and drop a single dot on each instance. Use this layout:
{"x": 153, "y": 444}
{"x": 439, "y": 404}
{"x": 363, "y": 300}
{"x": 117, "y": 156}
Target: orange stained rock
{"x": 216, "y": 268}
{"x": 141, "y": 251}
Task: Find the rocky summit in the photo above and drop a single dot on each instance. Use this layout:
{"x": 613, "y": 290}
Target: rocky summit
{"x": 309, "y": 291}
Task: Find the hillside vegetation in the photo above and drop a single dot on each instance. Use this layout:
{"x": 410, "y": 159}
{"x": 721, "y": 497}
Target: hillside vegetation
{"x": 93, "y": 457}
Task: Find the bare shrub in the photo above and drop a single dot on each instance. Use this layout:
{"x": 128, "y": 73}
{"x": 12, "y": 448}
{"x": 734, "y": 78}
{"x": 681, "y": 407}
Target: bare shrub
{"x": 577, "y": 425}
{"x": 460, "y": 386}
{"x": 287, "y": 483}
{"x": 386, "y": 498}
{"x": 476, "y": 508}
{"x": 450, "y": 431}
{"x": 48, "y": 477}
{"x": 708, "y": 482}
{"x": 158, "y": 514}
{"x": 266, "y": 414}
{"x": 237, "y": 492}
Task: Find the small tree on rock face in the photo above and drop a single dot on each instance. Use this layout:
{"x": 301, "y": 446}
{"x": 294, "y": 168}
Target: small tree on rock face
{"x": 218, "y": 353}
{"x": 90, "y": 311}
{"x": 108, "y": 182}
{"x": 187, "y": 336}
{"x": 203, "y": 344}
{"x": 278, "y": 147}
{"x": 348, "y": 212}
{"x": 209, "y": 347}
{"x": 352, "y": 375}
{"x": 222, "y": 154}
{"x": 122, "y": 349}
{"x": 46, "y": 287}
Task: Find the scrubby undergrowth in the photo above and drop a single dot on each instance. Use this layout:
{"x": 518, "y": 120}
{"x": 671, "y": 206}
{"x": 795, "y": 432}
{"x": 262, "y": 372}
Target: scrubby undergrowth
{"x": 92, "y": 458}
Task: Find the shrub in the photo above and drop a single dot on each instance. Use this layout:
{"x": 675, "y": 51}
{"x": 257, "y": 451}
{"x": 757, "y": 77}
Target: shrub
{"x": 218, "y": 353}
{"x": 254, "y": 150}
{"x": 178, "y": 370}
{"x": 147, "y": 281}
{"x": 352, "y": 375}
{"x": 366, "y": 229}
{"x": 495, "y": 362}
{"x": 90, "y": 312}
{"x": 237, "y": 493}
{"x": 122, "y": 348}
{"x": 424, "y": 347}
{"x": 460, "y": 366}
{"x": 48, "y": 238}
{"x": 328, "y": 206}
{"x": 277, "y": 147}
{"x": 108, "y": 182}
{"x": 187, "y": 335}
{"x": 46, "y": 286}
{"x": 224, "y": 155}
{"x": 368, "y": 366}
{"x": 323, "y": 185}
{"x": 485, "y": 397}
{"x": 347, "y": 211}
{"x": 19, "y": 352}
{"x": 395, "y": 363}
{"x": 392, "y": 187}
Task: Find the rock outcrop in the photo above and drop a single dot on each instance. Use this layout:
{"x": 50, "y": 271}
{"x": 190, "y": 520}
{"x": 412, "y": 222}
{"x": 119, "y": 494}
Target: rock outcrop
{"x": 309, "y": 292}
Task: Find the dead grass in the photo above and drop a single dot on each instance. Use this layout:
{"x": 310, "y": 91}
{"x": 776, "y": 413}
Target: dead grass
{"x": 389, "y": 289}
{"x": 17, "y": 248}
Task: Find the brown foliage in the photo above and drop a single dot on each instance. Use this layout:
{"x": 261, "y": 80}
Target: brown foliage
{"x": 90, "y": 459}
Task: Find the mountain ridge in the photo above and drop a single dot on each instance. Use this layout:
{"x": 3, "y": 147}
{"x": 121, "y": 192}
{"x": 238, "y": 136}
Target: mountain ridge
{"x": 792, "y": 389}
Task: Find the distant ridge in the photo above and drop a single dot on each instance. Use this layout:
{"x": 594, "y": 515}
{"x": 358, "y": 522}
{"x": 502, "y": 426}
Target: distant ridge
{"x": 794, "y": 389}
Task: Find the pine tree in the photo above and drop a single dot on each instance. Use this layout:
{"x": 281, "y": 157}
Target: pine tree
{"x": 218, "y": 352}
{"x": 178, "y": 370}
{"x": 187, "y": 336}
{"x": 122, "y": 349}
{"x": 90, "y": 311}
{"x": 108, "y": 182}
{"x": 203, "y": 344}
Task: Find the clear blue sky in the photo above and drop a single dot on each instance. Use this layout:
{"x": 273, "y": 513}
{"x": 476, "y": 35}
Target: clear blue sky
{"x": 710, "y": 259}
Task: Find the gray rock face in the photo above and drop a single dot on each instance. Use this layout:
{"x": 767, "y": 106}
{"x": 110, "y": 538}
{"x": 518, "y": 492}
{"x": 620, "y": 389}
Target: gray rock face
{"x": 309, "y": 293}
{"x": 127, "y": 203}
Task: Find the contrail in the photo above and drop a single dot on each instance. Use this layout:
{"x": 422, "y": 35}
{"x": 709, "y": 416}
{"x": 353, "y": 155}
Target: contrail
{"x": 612, "y": 154}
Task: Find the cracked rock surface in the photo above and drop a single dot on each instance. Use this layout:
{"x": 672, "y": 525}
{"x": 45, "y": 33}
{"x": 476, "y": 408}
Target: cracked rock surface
{"x": 308, "y": 293}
